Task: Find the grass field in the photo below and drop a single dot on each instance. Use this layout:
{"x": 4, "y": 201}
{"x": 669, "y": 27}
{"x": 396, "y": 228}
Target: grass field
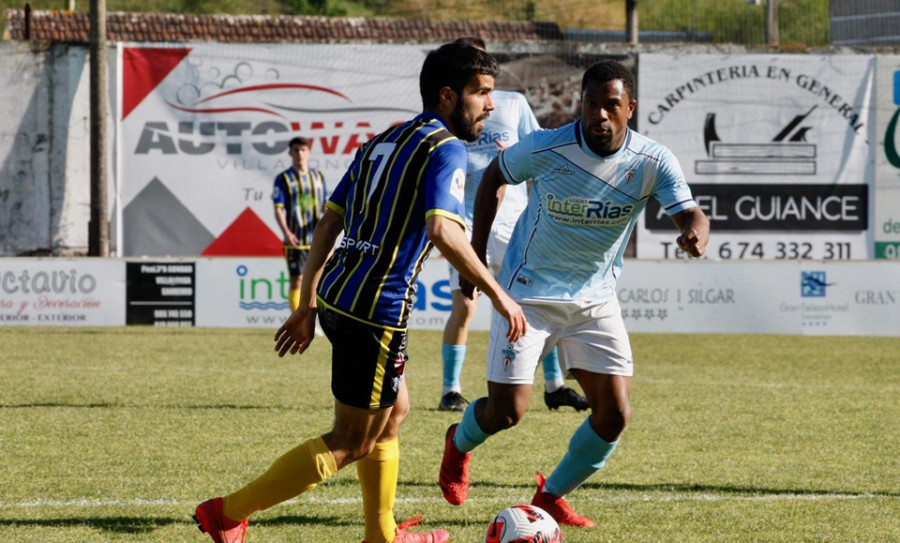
{"x": 116, "y": 434}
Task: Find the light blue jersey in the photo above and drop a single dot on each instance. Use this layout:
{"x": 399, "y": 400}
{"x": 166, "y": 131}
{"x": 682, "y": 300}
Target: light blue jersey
{"x": 511, "y": 119}
{"x": 570, "y": 241}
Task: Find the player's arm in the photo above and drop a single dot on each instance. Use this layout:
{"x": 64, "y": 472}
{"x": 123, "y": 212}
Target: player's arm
{"x": 298, "y": 331}
{"x": 487, "y": 201}
{"x": 289, "y": 237}
{"x": 449, "y": 237}
{"x": 693, "y": 226}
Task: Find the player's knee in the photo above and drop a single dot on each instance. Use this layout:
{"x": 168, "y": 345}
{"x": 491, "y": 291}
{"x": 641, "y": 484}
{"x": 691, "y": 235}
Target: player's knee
{"x": 502, "y": 415}
{"x": 610, "y": 422}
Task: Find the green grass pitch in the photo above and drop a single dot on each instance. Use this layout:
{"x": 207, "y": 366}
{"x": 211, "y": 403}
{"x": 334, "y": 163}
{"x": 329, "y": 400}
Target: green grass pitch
{"x": 115, "y": 434}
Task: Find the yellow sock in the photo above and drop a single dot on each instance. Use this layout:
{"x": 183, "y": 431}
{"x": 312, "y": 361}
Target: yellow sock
{"x": 378, "y": 478}
{"x": 297, "y": 471}
{"x": 294, "y": 297}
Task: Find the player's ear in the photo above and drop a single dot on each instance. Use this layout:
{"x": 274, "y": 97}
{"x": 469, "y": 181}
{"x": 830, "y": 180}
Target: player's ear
{"x": 447, "y": 97}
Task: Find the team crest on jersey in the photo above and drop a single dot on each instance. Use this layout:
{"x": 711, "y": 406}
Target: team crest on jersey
{"x": 458, "y": 185}
{"x": 629, "y": 175}
{"x": 508, "y": 356}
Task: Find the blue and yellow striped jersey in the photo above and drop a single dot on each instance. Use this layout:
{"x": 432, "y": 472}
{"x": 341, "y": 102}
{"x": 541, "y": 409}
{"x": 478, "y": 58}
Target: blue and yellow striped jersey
{"x": 397, "y": 180}
{"x": 301, "y": 195}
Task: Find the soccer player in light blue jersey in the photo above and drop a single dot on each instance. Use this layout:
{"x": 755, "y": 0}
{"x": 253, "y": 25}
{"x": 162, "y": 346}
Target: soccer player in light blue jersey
{"x": 511, "y": 119}
{"x": 590, "y": 182}
{"x": 402, "y": 195}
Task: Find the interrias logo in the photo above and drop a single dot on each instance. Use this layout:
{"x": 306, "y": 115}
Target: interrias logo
{"x": 262, "y": 293}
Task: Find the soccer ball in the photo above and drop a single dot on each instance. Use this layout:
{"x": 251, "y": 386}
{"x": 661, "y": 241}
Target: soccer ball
{"x": 523, "y": 524}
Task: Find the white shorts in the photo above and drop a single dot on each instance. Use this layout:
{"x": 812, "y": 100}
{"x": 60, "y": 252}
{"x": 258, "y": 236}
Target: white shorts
{"x": 496, "y": 250}
{"x": 591, "y": 337}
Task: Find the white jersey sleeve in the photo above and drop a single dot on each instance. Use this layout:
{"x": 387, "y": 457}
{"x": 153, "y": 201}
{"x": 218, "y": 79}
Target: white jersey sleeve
{"x": 511, "y": 120}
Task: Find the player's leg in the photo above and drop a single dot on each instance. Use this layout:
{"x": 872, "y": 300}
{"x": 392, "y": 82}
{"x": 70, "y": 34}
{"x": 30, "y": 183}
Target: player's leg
{"x": 510, "y": 375}
{"x": 378, "y": 473}
{"x": 363, "y": 405}
{"x": 556, "y": 393}
{"x": 601, "y": 361}
{"x": 295, "y": 260}
{"x": 453, "y": 349}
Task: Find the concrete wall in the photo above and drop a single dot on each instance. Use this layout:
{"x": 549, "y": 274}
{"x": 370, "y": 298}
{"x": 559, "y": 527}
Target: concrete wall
{"x": 44, "y": 149}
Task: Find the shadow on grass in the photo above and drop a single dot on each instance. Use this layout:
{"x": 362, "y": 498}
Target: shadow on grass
{"x": 142, "y": 525}
{"x": 118, "y": 525}
{"x": 734, "y": 490}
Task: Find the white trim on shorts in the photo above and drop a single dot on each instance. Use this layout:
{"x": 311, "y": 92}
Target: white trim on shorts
{"x": 589, "y": 336}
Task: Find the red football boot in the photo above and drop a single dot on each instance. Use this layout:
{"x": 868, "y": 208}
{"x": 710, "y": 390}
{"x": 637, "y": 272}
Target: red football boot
{"x": 221, "y": 529}
{"x": 558, "y": 508}
{"x": 454, "y": 476}
{"x": 437, "y": 536}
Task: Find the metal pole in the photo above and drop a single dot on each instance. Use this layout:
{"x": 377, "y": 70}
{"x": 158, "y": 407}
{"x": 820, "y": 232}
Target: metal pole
{"x": 98, "y": 228}
{"x": 631, "y": 22}
{"x": 772, "y": 22}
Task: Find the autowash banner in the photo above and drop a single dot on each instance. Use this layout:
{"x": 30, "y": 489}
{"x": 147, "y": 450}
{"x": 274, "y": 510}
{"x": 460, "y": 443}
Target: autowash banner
{"x": 776, "y": 150}
{"x": 204, "y": 130}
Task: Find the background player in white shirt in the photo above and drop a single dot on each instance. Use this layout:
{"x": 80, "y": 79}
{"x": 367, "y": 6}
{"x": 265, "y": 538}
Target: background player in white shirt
{"x": 511, "y": 119}
{"x": 591, "y": 180}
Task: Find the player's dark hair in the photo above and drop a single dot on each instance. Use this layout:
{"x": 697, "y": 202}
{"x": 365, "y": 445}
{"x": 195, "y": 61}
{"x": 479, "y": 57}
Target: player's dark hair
{"x": 474, "y": 41}
{"x": 452, "y": 65}
{"x": 609, "y": 70}
{"x": 299, "y": 140}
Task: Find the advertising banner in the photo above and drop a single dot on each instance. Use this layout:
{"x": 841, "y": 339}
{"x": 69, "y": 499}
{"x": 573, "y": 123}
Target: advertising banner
{"x": 204, "y": 130}
{"x": 253, "y": 292}
{"x": 775, "y": 148}
{"x": 160, "y": 293}
{"x": 62, "y": 292}
{"x": 796, "y": 297}
{"x": 887, "y": 159}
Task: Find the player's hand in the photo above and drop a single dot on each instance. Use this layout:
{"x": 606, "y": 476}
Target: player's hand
{"x": 692, "y": 243}
{"x": 297, "y": 332}
{"x": 292, "y": 239}
{"x": 511, "y": 311}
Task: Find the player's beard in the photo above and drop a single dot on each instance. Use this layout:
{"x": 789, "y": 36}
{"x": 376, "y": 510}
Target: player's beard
{"x": 466, "y": 129}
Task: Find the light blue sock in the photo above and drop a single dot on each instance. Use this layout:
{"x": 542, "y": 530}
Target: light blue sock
{"x": 553, "y": 373}
{"x": 469, "y": 434}
{"x": 586, "y": 455}
{"x": 453, "y": 357}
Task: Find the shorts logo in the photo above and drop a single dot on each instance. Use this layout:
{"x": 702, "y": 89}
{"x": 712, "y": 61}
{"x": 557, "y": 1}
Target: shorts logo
{"x": 508, "y": 356}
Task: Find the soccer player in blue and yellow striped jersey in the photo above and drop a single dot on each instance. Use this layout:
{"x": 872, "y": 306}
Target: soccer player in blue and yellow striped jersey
{"x": 402, "y": 195}
{"x": 299, "y": 200}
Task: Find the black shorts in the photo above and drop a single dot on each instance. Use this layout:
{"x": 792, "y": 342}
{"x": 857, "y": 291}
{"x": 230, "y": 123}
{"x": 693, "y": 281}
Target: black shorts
{"x": 296, "y": 260}
{"x": 367, "y": 360}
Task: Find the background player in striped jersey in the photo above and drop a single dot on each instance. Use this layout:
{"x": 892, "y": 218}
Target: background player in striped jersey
{"x": 591, "y": 180}
{"x": 402, "y": 195}
{"x": 299, "y": 200}
{"x": 511, "y": 119}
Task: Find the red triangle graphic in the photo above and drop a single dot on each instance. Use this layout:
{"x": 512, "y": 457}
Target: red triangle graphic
{"x": 143, "y": 68}
{"x": 248, "y": 235}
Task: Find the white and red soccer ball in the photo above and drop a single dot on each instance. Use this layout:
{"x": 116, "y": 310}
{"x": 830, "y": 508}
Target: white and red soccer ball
{"x": 523, "y": 524}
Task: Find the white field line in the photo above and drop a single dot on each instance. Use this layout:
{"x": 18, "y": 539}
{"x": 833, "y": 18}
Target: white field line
{"x": 705, "y": 497}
